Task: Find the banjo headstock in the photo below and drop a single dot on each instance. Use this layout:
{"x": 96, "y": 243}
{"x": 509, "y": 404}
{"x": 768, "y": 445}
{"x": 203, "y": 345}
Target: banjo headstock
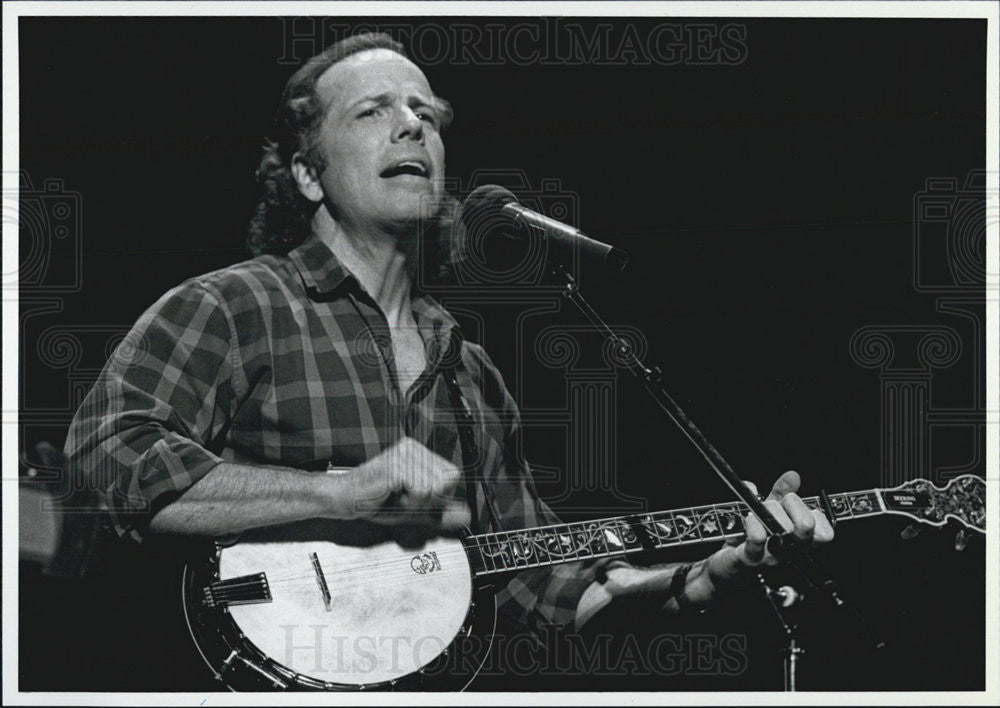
{"x": 962, "y": 499}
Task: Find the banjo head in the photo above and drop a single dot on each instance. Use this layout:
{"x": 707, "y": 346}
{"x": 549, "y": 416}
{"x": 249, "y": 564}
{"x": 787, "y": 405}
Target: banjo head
{"x": 346, "y": 616}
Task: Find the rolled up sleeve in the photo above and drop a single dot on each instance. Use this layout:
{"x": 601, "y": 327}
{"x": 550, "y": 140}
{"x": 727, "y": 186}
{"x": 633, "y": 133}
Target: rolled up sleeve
{"x": 154, "y": 421}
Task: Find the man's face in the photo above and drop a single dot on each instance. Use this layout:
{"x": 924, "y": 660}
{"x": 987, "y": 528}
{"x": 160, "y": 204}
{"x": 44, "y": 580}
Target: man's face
{"x": 380, "y": 139}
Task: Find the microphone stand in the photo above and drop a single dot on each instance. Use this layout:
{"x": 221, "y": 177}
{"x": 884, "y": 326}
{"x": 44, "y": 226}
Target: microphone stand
{"x": 782, "y": 601}
{"x": 784, "y": 546}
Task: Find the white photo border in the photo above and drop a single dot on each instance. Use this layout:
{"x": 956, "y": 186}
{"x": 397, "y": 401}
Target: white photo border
{"x": 13, "y": 11}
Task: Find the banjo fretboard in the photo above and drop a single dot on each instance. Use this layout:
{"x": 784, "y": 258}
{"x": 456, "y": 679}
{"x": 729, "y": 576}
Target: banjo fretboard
{"x": 621, "y": 535}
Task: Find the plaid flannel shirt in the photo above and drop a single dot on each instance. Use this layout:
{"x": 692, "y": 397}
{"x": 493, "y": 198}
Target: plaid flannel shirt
{"x": 285, "y": 360}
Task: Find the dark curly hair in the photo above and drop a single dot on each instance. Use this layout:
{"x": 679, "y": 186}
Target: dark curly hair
{"x": 282, "y": 216}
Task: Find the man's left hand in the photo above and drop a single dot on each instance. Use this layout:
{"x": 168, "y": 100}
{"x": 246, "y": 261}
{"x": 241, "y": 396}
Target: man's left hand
{"x": 809, "y": 525}
{"x": 708, "y": 577}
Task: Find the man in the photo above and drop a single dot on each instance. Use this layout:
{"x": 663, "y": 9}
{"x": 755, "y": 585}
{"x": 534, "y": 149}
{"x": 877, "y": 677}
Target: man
{"x": 239, "y": 388}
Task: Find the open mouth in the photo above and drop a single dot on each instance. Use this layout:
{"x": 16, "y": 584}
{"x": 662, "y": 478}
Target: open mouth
{"x": 406, "y": 167}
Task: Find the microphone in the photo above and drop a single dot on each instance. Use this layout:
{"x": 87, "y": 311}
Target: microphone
{"x": 490, "y": 206}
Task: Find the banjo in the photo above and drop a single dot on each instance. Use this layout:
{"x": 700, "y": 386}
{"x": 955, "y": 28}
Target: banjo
{"x": 329, "y": 605}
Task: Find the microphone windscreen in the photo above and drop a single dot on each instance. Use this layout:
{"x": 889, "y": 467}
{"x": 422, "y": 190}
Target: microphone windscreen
{"x": 481, "y": 211}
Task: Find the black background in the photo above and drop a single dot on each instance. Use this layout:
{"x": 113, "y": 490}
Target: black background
{"x": 768, "y": 208}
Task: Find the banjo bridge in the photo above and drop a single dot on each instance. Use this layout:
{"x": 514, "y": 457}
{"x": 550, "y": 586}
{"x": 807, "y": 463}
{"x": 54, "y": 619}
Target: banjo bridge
{"x": 244, "y": 590}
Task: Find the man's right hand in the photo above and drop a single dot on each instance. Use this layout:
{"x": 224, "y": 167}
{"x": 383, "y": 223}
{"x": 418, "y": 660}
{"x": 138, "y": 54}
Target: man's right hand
{"x": 406, "y": 484}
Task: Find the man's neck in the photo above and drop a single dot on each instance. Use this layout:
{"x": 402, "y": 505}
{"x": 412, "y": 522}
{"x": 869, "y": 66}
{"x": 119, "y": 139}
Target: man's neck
{"x": 381, "y": 264}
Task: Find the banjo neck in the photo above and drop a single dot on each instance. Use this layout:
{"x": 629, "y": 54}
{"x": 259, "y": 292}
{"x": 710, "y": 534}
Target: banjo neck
{"x": 963, "y": 499}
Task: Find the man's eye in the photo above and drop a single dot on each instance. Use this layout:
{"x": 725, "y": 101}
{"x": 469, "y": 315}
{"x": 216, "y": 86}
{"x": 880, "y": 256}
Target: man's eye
{"x": 369, "y": 112}
{"x": 427, "y": 117}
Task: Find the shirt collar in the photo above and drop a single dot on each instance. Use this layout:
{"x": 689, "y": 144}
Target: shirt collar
{"x": 318, "y": 267}
{"x": 440, "y": 331}
{"x": 322, "y": 272}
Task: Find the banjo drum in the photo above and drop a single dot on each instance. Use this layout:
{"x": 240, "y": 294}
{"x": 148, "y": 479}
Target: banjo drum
{"x": 286, "y": 608}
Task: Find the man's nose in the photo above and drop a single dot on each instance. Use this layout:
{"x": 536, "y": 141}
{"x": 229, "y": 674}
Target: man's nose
{"x": 408, "y": 126}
